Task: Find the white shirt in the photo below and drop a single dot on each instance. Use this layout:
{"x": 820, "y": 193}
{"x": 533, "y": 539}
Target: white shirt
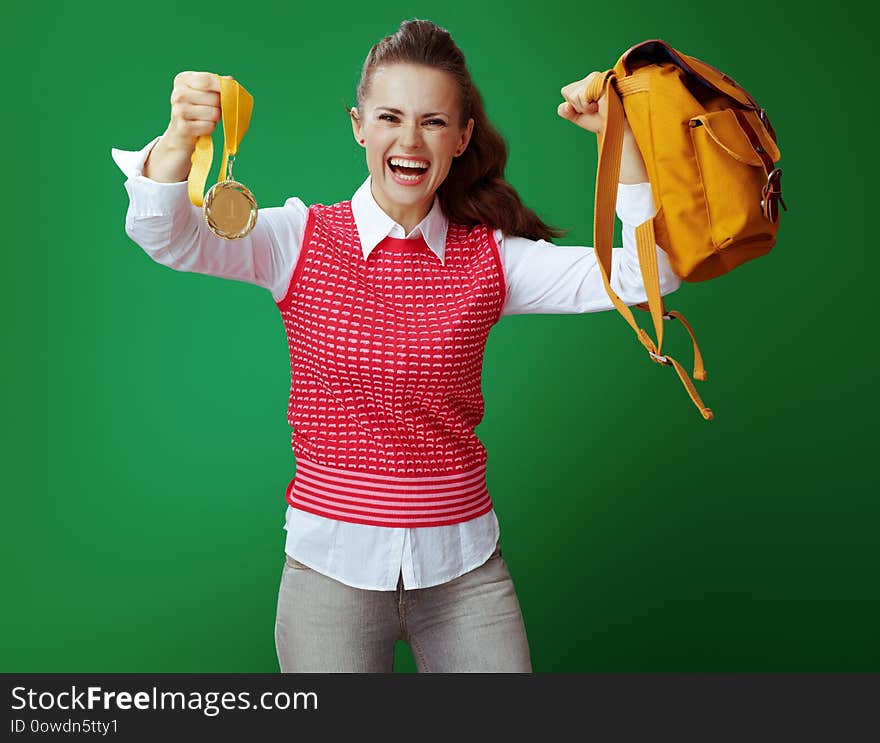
{"x": 541, "y": 278}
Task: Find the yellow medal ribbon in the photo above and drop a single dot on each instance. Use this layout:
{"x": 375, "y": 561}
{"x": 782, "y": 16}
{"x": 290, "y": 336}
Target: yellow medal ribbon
{"x": 230, "y": 208}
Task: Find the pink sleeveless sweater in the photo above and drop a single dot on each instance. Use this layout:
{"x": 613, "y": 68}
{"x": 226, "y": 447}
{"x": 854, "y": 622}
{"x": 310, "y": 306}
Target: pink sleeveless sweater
{"x": 386, "y": 359}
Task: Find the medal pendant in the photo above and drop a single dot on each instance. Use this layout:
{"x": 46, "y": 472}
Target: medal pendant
{"x": 230, "y": 209}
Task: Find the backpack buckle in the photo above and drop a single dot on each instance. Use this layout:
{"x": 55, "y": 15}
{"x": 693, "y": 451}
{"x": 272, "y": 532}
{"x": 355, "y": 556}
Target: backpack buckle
{"x": 659, "y": 359}
{"x": 771, "y": 193}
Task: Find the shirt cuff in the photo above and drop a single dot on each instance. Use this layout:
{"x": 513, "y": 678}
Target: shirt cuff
{"x": 148, "y": 198}
{"x": 635, "y": 203}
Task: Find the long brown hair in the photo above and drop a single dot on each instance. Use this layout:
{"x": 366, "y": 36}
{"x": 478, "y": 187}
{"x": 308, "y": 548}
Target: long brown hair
{"x": 475, "y": 191}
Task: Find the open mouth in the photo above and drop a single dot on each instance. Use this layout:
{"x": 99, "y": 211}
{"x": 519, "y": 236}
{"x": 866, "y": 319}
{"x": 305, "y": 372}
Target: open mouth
{"x": 408, "y": 170}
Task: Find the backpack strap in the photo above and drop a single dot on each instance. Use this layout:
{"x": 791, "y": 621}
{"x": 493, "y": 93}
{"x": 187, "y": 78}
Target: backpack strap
{"x": 610, "y": 143}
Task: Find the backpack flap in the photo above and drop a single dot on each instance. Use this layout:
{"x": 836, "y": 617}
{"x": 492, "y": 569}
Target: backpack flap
{"x": 657, "y": 51}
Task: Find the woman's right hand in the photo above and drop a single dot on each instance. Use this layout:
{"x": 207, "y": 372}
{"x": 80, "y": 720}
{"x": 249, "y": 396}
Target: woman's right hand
{"x": 195, "y": 108}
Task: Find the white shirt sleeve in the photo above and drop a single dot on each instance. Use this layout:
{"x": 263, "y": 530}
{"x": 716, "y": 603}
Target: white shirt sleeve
{"x": 173, "y": 232}
{"x": 553, "y": 279}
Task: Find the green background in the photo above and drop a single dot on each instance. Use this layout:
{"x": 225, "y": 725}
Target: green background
{"x": 146, "y": 446}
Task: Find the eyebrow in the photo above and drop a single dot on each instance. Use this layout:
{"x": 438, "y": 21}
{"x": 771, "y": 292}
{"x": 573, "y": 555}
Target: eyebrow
{"x": 398, "y": 111}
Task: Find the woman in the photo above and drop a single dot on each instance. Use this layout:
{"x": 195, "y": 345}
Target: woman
{"x": 387, "y": 300}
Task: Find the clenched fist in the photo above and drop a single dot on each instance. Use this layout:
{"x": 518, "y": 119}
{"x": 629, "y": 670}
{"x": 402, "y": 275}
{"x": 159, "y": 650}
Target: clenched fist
{"x": 195, "y": 107}
{"x": 590, "y": 115}
{"x": 195, "y": 110}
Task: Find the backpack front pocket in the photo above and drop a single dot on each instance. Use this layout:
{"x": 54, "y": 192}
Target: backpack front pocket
{"x": 732, "y": 176}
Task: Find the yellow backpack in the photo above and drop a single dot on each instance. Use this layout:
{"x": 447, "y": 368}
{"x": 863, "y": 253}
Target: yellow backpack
{"x": 709, "y": 150}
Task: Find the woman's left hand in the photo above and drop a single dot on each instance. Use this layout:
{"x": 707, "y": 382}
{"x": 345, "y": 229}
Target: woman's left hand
{"x": 590, "y": 116}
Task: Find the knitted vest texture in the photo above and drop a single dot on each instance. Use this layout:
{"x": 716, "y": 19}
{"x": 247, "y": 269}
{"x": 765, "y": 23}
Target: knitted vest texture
{"x": 386, "y": 359}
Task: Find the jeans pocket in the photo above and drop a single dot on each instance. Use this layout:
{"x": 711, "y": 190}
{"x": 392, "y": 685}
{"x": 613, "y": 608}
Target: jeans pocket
{"x": 294, "y": 564}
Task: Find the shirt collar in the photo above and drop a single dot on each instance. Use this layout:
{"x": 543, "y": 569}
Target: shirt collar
{"x": 374, "y": 225}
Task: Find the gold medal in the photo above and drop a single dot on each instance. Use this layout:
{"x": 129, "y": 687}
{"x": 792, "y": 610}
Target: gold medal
{"x": 229, "y": 206}
{"x": 230, "y": 209}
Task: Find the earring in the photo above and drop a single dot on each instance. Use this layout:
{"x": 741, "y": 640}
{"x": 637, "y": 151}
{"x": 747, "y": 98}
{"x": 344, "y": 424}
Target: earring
{"x": 361, "y": 141}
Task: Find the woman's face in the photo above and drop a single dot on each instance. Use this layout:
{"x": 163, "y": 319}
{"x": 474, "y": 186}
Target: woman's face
{"x": 410, "y": 126}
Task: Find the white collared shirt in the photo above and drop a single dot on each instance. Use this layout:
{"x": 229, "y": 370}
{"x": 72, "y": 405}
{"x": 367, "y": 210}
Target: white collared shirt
{"x": 541, "y": 278}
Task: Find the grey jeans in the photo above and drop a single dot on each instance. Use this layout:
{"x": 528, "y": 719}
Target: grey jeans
{"x": 470, "y": 624}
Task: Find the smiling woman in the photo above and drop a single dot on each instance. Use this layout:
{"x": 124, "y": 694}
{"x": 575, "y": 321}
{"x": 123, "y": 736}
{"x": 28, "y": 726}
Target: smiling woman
{"x": 411, "y": 129}
{"x": 387, "y": 301}
{"x": 416, "y": 100}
